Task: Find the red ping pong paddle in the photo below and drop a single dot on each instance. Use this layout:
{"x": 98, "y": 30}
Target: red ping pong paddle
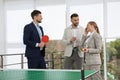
{"x": 45, "y": 39}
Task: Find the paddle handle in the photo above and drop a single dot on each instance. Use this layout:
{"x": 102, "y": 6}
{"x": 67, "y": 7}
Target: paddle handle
{"x": 82, "y": 74}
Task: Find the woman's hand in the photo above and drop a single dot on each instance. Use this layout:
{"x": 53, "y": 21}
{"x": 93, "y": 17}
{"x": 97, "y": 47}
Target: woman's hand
{"x": 85, "y": 50}
{"x": 86, "y": 31}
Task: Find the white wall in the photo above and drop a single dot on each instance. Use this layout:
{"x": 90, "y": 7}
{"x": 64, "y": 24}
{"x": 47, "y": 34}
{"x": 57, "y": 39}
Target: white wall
{"x": 2, "y": 28}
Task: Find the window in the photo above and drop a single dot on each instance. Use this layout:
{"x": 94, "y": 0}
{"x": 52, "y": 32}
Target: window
{"x": 53, "y": 20}
{"x": 91, "y": 12}
{"x": 113, "y": 19}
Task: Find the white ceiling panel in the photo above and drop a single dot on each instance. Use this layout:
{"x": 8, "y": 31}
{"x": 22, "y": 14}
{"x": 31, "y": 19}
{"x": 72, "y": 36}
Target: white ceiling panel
{"x": 59, "y": 2}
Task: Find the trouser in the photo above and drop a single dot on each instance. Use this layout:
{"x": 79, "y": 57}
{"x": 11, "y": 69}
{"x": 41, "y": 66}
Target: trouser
{"x": 73, "y": 59}
{"x": 36, "y": 63}
{"x": 95, "y": 67}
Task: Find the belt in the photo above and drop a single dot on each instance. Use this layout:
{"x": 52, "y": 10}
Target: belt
{"x": 75, "y": 47}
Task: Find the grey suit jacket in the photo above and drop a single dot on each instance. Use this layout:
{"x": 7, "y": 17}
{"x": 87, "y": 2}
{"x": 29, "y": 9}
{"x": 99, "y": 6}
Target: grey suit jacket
{"x": 94, "y": 44}
{"x": 66, "y": 40}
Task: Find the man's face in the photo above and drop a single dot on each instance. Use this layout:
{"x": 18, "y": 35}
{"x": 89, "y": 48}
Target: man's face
{"x": 75, "y": 21}
{"x": 38, "y": 18}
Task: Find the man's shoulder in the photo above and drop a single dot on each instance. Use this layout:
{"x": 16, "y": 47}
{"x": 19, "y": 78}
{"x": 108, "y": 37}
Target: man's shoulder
{"x": 29, "y": 24}
{"x": 80, "y": 27}
{"x": 67, "y": 28}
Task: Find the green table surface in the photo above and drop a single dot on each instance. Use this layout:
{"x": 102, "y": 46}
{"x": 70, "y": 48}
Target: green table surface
{"x": 43, "y": 74}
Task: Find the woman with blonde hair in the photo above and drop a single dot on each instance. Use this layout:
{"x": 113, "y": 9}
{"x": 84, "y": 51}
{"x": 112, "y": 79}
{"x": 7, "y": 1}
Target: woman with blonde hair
{"x": 91, "y": 43}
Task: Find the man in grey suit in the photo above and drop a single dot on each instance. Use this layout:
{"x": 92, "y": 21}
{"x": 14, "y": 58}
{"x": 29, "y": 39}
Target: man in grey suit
{"x": 71, "y": 39}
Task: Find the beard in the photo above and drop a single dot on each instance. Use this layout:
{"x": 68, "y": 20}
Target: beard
{"x": 75, "y": 24}
{"x": 39, "y": 21}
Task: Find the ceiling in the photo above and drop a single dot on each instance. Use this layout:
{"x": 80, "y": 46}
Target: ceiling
{"x": 60, "y": 2}
{"x": 72, "y": 2}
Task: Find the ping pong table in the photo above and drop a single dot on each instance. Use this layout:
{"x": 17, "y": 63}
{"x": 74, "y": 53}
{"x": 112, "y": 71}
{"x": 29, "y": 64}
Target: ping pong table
{"x": 43, "y": 74}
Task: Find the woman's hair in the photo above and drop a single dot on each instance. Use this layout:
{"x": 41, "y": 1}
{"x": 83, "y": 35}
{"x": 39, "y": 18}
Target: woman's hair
{"x": 95, "y": 26}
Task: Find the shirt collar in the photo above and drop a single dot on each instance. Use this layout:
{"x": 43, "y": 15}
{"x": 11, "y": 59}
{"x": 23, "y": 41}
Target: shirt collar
{"x": 90, "y": 33}
{"x": 35, "y": 24}
{"x": 74, "y": 28}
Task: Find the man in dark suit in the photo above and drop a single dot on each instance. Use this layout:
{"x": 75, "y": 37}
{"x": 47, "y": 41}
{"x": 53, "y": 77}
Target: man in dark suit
{"x": 35, "y": 48}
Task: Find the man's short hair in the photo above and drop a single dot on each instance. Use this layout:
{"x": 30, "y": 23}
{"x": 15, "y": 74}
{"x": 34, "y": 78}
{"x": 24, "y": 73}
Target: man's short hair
{"x": 35, "y": 13}
{"x": 74, "y": 15}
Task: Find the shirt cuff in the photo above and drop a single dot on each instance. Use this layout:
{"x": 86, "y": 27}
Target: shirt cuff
{"x": 36, "y": 45}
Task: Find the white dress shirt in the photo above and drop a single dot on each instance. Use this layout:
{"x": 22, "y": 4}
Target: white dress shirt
{"x": 74, "y": 34}
{"x": 40, "y": 33}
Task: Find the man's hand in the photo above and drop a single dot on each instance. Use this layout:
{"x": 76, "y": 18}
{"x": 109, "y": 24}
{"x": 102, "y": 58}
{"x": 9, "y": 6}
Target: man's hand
{"x": 72, "y": 39}
{"x": 46, "y": 44}
{"x": 41, "y": 45}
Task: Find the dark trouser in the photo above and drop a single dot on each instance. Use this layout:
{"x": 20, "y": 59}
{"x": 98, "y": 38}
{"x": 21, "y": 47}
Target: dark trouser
{"x": 73, "y": 59}
{"x": 36, "y": 63}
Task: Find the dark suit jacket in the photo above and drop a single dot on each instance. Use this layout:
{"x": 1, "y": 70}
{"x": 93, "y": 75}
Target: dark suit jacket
{"x": 30, "y": 38}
